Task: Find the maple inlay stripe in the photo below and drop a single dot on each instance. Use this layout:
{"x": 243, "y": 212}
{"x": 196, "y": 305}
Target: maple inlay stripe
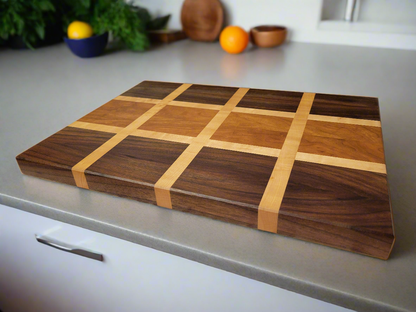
{"x": 163, "y": 186}
{"x": 96, "y": 127}
{"x": 342, "y": 162}
{"x": 138, "y": 99}
{"x": 245, "y": 148}
{"x": 350, "y": 121}
{"x": 163, "y": 136}
{"x": 195, "y": 105}
{"x": 266, "y": 112}
{"x": 275, "y": 189}
{"x": 78, "y": 171}
{"x": 238, "y": 147}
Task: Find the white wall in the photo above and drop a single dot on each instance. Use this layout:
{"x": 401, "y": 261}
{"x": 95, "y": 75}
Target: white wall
{"x": 302, "y": 17}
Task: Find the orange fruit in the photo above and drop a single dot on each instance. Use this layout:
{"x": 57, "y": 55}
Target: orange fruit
{"x": 234, "y": 39}
{"x": 79, "y": 30}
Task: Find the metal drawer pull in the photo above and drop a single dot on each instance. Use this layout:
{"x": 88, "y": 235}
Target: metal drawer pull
{"x": 68, "y": 248}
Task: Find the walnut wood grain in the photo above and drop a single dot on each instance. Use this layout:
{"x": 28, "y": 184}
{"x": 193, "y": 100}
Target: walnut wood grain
{"x": 123, "y": 188}
{"x": 349, "y": 198}
{"x": 180, "y": 120}
{"x": 239, "y": 178}
{"x": 336, "y": 236}
{"x": 138, "y": 160}
{"x": 284, "y": 101}
{"x": 122, "y": 113}
{"x": 79, "y": 169}
{"x": 132, "y": 167}
{"x": 214, "y": 208}
{"x": 251, "y": 129}
{"x": 162, "y": 187}
{"x": 61, "y": 151}
{"x": 47, "y": 172}
{"x": 298, "y": 164}
{"x": 346, "y": 106}
{"x": 207, "y": 94}
{"x": 343, "y": 140}
{"x": 152, "y": 89}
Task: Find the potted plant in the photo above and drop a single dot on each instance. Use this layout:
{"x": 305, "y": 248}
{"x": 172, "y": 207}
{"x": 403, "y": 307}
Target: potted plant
{"x": 125, "y": 21}
{"x": 29, "y": 23}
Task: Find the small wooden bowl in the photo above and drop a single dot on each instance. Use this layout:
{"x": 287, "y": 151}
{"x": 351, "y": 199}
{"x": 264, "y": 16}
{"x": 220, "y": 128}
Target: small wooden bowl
{"x": 267, "y": 36}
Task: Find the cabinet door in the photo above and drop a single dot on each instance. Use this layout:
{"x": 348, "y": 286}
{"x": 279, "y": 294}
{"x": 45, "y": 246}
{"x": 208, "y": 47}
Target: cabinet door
{"x": 35, "y": 277}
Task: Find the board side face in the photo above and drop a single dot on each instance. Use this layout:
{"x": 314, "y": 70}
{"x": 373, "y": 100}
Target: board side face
{"x": 378, "y": 246}
{"x": 218, "y": 152}
{"x": 53, "y": 158}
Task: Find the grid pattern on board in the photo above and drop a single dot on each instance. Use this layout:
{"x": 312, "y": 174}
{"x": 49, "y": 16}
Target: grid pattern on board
{"x": 263, "y": 156}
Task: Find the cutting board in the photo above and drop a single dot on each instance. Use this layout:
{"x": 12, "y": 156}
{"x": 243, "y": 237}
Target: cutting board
{"x": 202, "y": 20}
{"x": 305, "y": 165}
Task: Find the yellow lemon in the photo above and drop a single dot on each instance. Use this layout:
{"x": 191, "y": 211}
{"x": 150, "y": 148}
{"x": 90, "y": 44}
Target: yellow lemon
{"x": 79, "y": 30}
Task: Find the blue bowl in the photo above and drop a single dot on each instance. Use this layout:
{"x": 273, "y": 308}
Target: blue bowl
{"x": 88, "y": 47}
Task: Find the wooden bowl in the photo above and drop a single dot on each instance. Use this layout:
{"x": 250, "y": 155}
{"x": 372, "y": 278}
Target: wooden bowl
{"x": 267, "y": 36}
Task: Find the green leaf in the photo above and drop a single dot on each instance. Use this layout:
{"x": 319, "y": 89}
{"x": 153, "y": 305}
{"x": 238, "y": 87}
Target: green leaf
{"x": 45, "y": 5}
{"x": 85, "y": 3}
{"x": 20, "y": 24}
{"x": 142, "y": 13}
{"x": 40, "y": 30}
{"x": 158, "y": 23}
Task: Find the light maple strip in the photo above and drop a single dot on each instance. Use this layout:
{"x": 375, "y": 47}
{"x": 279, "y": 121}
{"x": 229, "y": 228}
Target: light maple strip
{"x": 265, "y": 112}
{"x": 163, "y": 136}
{"x": 245, "y": 148}
{"x": 275, "y": 189}
{"x": 78, "y": 171}
{"x": 164, "y": 184}
{"x": 138, "y": 99}
{"x": 342, "y": 162}
{"x": 196, "y": 105}
{"x": 349, "y": 121}
{"x": 96, "y": 127}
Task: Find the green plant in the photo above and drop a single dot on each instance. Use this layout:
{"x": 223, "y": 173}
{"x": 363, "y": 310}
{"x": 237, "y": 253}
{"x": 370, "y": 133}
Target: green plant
{"x": 126, "y": 22}
{"x": 27, "y": 19}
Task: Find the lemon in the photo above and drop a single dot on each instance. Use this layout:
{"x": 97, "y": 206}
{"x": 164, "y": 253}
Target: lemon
{"x": 79, "y": 30}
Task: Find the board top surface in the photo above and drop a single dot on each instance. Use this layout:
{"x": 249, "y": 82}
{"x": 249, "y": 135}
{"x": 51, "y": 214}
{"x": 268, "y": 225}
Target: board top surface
{"x": 283, "y": 162}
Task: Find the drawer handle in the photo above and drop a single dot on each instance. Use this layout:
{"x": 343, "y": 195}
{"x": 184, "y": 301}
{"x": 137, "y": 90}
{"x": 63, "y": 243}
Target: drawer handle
{"x": 68, "y": 248}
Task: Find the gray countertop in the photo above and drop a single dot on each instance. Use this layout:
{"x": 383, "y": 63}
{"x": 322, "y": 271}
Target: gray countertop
{"x": 42, "y": 91}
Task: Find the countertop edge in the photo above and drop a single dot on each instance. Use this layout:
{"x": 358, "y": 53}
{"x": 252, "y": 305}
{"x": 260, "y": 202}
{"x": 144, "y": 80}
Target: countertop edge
{"x": 304, "y": 288}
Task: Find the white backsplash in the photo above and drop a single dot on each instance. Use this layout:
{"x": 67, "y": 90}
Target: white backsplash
{"x": 303, "y": 18}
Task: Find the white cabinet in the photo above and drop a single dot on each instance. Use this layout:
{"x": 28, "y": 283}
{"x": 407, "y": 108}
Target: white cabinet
{"x": 35, "y": 277}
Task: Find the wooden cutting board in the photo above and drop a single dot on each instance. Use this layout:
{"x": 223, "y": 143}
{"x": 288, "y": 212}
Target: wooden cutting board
{"x": 305, "y": 165}
{"x": 202, "y": 20}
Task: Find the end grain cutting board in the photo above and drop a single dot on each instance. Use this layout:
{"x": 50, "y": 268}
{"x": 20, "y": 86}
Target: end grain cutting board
{"x": 305, "y": 165}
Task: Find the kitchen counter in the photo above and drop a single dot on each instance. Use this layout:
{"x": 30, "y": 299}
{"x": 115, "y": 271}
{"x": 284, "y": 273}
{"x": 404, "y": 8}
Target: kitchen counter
{"x": 43, "y": 91}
